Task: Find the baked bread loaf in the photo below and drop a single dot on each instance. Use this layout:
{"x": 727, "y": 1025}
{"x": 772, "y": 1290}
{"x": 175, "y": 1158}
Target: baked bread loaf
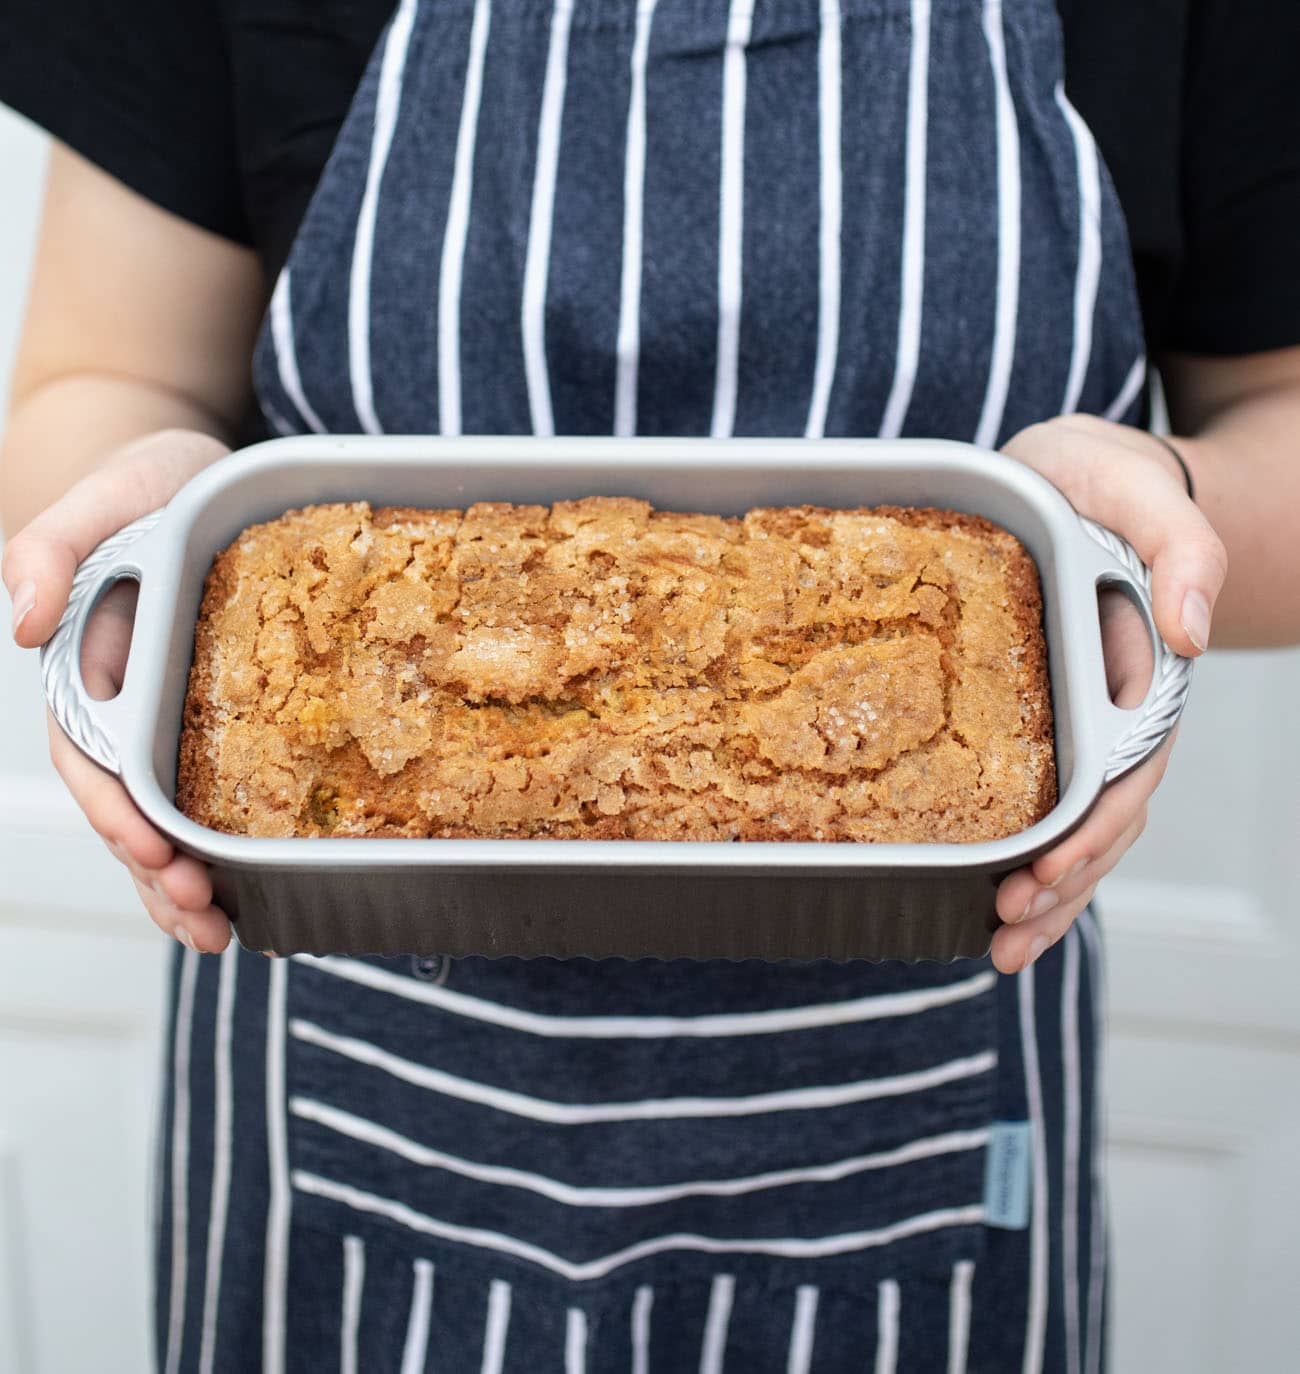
{"x": 598, "y": 669}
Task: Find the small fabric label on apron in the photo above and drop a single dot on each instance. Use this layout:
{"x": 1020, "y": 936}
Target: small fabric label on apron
{"x": 1006, "y": 1176}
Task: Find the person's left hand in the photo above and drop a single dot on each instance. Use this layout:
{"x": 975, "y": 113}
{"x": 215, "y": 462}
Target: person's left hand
{"x": 1124, "y": 479}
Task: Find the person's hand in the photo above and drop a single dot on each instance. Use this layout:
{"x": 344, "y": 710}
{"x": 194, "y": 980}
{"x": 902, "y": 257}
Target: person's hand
{"x": 39, "y": 562}
{"x": 1125, "y": 480}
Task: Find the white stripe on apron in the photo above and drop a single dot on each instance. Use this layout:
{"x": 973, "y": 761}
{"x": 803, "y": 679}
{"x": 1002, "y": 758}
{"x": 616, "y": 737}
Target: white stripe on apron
{"x": 959, "y": 1298}
{"x": 277, "y": 1215}
{"x": 388, "y": 100}
{"x": 1008, "y": 298}
{"x": 180, "y": 1157}
{"x": 629, "y": 318}
{"x": 1038, "y": 1219}
{"x": 773, "y": 1022}
{"x": 539, "y": 228}
{"x": 354, "y": 1278}
{"x": 803, "y": 1330}
{"x": 415, "y": 1353}
{"x": 913, "y": 273}
{"x": 715, "y": 1327}
{"x": 498, "y": 1323}
{"x": 453, "y": 246}
{"x": 1070, "y": 1160}
{"x": 281, "y": 321}
{"x": 1088, "y": 277}
{"x": 831, "y": 218}
{"x": 792, "y": 1246}
{"x": 887, "y": 1319}
{"x": 642, "y": 1306}
{"x": 221, "y": 1144}
{"x": 731, "y": 216}
{"x": 369, "y": 1132}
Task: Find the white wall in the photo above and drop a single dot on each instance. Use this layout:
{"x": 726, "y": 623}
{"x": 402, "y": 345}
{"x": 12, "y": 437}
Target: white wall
{"x": 1204, "y": 922}
{"x": 22, "y": 160}
{"x": 81, "y": 987}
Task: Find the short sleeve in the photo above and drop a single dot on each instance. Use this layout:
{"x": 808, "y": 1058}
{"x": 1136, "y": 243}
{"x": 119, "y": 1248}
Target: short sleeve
{"x": 1238, "y": 288}
{"x": 142, "y": 89}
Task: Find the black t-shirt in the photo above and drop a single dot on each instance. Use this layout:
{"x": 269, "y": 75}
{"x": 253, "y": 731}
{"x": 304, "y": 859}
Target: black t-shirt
{"x": 224, "y": 112}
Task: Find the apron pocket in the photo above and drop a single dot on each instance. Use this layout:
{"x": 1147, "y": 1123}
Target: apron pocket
{"x": 620, "y": 1122}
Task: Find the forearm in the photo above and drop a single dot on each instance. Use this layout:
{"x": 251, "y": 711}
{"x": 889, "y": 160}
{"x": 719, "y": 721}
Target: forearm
{"x": 63, "y": 429}
{"x": 1246, "y": 463}
{"x": 136, "y": 322}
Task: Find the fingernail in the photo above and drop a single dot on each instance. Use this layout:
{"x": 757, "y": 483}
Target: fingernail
{"x": 24, "y": 602}
{"x": 1196, "y": 619}
{"x": 1076, "y": 867}
{"x": 1041, "y": 902}
{"x": 187, "y": 939}
{"x": 1036, "y": 947}
{"x": 157, "y": 888}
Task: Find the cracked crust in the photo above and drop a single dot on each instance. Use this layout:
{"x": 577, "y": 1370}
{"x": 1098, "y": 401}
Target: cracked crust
{"x": 598, "y": 669}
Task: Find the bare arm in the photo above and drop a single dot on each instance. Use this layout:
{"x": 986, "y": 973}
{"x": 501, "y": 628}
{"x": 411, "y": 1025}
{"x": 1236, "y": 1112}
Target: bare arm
{"x": 136, "y": 322}
{"x": 1241, "y": 417}
{"x": 132, "y": 374}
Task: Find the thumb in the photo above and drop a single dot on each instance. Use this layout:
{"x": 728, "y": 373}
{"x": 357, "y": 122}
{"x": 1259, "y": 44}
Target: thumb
{"x": 1187, "y": 574}
{"x": 40, "y": 560}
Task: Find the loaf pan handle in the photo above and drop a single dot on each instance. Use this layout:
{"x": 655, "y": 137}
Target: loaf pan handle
{"x": 1140, "y": 732}
{"x": 84, "y": 720}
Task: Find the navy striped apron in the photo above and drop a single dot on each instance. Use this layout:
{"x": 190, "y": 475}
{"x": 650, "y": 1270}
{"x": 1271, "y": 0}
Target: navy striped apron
{"x": 769, "y": 217}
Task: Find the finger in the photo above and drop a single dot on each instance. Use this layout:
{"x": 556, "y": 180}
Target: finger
{"x": 1109, "y": 818}
{"x": 40, "y": 560}
{"x": 111, "y": 813}
{"x": 1089, "y": 872}
{"x": 210, "y": 930}
{"x": 1109, "y": 472}
{"x": 205, "y": 932}
{"x": 184, "y": 882}
{"x": 1094, "y": 872}
{"x": 1033, "y": 891}
{"x": 107, "y": 640}
{"x": 1126, "y": 649}
{"x": 1016, "y": 947}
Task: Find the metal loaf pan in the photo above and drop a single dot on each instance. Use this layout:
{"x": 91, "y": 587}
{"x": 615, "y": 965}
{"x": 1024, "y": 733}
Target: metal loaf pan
{"x": 663, "y": 899}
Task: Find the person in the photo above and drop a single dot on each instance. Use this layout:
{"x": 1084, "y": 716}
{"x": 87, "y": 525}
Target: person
{"x": 851, "y": 217}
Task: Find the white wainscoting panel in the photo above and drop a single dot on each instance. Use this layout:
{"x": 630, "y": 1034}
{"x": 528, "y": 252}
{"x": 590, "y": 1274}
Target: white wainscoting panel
{"x": 15, "y": 1314}
{"x": 79, "y": 1036}
{"x": 1204, "y": 1143}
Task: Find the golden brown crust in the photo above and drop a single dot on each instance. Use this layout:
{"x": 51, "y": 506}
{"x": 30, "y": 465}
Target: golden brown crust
{"x": 598, "y": 669}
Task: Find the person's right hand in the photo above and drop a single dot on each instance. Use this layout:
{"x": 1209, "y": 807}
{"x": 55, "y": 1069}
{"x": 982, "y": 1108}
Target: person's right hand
{"x": 39, "y": 562}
